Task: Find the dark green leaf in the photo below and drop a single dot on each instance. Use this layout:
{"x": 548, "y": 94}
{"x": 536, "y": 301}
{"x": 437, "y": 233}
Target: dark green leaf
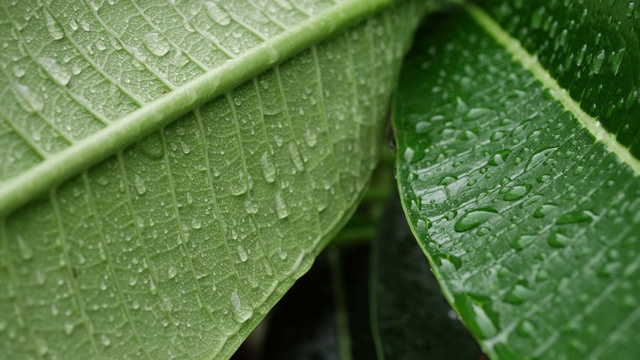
{"x": 526, "y": 197}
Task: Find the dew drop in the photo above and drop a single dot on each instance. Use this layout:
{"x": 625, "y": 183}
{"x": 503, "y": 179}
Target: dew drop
{"x": 517, "y": 192}
{"x": 241, "y": 313}
{"x": 25, "y": 249}
{"x": 518, "y": 294}
{"x": 68, "y": 328}
{"x": 54, "y": 29}
{"x": 538, "y": 157}
{"x": 240, "y": 186}
{"x": 155, "y": 45}
{"x": 172, "y": 272}
{"x": 544, "y": 210}
{"x": 522, "y": 241}
{"x": 408, "y": 154}
{"x": 310, "y": 137}
{"x": 105, "y": 340}
{"x": 422, "y": 225}
{"x": 57, "y": 72}
{"x": 558, "y": 239}
{"x": 217, "y": 13}
{"x": 139, "y": 185}
{"x": 242, "y": 252}
{"x": 477, "y": 113}
{"x": 486, "y": 327}
{"x": 574, "y": 217}
{"x": 268, "y": 167}
{"x": 29, "y": 100}
{"x": 597, "y": 62}
{"x": 281, "y": 207}
{"x": 296, "y": 157}
{"x": 40, "y": 277}
{"x": 18, "y": 71}
{"x": 526, "y": 328}
{"x": 474, "y": 218}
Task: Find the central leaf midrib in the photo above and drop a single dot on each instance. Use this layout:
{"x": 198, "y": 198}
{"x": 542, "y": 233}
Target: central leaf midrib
{"x": 21, "y": 189}
{"x": 533, "y": 65}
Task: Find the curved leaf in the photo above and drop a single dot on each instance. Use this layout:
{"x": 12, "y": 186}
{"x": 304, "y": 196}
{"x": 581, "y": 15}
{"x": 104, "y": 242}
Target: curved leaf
{"x": 176, "y": 244}
{"x": 520, "y": 183}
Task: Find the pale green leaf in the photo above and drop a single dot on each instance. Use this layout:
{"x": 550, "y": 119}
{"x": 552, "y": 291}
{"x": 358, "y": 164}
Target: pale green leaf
{"x": 517, "y": 133}
{"x": 170, "y": 168}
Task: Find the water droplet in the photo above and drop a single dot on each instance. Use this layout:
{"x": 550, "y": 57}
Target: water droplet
{"x": 477, "y": 113}
{"x": 310, "y": 137}
{"x": 447, "y": 180}
{"x": 574, "y": 217}
{"x": 422, "y": 127}
{"x": 518, "y": 294}
{"x": 284, "y": 4}
{"x": 54, "y": 29}
{"x": 517, "y": 192}
{"x": 40, "y": 277}
{"x": 139, "y": 184}
{"x": 240, "y": 186}
{"x": 538, "y": 157}
{"x": 487, "y": 329}
{"x": 218, "y": 13}
{"x": 156, "y": 45}
{"x": 105, "y": 340}
{"x": 268, "y": 167}
{"x": 498, "y": 158}
{"x": 474, "y": 218}
{"x": 172, "y": 272}
{"x": 28, "y": 99}
{"x": 597, "y": 61}
{"x": 242, "y": 252}
{"x": 57, "y": 72}
{"x": 274, "y": 56}
{"x": 196, "y": 223}
{"x": 281, "y": 207}
{"x": 544, "y": 210}
{"x": 240, "y": 312}
{"x": 68, "y": 328}
{"x": 18, "y": 71}
{"x": 73, "y": 24}
{"x": 25, "y": 249}
{"x": 296, "y": 157}
{"x": 522, "y": 241}
{"x": 408, "y": 154}
{"x": 558, "y": 239}
{"x": 422, "y": 225}
{"x": 448, "y": 262}
{"x": 251, "y": 207}
{"x": 152, "y": 287}
{"x": 526, "y": 328}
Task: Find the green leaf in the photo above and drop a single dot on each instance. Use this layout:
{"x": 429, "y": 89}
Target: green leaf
{"x": 169, "y": 169}
{"x": 519, "y": 174}
{"x": 411, "y": 317}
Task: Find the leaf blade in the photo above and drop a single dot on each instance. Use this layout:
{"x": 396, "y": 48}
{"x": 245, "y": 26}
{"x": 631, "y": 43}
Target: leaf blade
{"x": 180, "y": 243}
{"x": 507, "y": 194}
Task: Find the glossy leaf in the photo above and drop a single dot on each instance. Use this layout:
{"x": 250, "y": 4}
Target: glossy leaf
{"x": 518, "y": 171}
{"x": 169, "y": 169}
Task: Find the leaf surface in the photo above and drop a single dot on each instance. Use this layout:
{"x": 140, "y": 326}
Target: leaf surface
{"x": 169, "y": 169}
{"x": 518, "y": 171}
